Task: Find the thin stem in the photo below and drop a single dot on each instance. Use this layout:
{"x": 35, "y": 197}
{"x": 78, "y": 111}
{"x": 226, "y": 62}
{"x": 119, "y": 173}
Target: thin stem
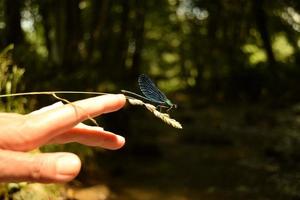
{"x": 51, "y": 93}
{"x": 73, "y": 92}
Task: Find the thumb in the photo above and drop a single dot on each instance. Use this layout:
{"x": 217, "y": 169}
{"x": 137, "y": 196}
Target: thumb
{"x": 45, "y": 167}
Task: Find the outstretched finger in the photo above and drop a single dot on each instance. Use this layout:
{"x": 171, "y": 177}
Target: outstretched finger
{"x": 36, "y": 129}
{"x": 91, "y": 136}
{"x": 59, "y": 120}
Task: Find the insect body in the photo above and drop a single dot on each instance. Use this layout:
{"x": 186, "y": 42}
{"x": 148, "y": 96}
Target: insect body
{"x": 152, "y": 93}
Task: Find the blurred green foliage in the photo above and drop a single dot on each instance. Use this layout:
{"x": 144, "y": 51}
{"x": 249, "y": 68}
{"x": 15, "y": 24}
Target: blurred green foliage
{"x": 232, "y": 67}
{"x": 10, "y": 82}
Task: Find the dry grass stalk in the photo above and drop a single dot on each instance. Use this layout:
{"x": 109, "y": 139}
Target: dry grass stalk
{"x": 163, "y": 116}
{"x": 68, "y": 102}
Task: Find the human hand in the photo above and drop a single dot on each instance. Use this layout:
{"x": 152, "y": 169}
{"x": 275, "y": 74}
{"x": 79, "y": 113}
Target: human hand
{"x": 53, "y": 125}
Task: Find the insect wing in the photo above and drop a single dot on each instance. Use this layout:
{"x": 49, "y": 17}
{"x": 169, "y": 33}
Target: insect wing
{"x": 150, "y": 90}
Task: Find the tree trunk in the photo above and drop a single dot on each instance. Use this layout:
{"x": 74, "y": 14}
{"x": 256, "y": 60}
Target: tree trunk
{"x": 13, "y": 31}
{"x": 138, "y": 39}
{"x": 71, "y": 56}
{"x": 261, "y": 22}
{"x": 123, "y": 39}
{"x": 100, "y": 9}
{"x": 44, "y": 8}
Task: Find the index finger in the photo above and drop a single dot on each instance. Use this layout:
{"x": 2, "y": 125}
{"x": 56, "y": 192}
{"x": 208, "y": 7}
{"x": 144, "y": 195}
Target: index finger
{"x": 51, "y": 123}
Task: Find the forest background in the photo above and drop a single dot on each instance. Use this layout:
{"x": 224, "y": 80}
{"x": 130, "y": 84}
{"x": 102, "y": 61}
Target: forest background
{"x": 233, "y": 67}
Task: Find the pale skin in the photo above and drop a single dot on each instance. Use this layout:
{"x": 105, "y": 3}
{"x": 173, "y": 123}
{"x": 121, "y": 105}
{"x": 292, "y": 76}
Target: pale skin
{"x": 59, "y": 125}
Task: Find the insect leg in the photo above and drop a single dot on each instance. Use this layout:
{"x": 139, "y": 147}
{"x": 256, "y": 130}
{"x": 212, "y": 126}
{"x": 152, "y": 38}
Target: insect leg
{"x": 160, "y": 107}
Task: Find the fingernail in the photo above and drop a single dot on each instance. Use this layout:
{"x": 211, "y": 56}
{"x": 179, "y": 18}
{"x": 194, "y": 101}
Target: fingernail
{"x": 121, "y": 141}
{"x": 68, "y": 165}
{"x": 121, "y": 138}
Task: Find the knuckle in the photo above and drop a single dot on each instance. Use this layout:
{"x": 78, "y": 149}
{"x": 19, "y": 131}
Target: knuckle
{"x": 36, "y": 170}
